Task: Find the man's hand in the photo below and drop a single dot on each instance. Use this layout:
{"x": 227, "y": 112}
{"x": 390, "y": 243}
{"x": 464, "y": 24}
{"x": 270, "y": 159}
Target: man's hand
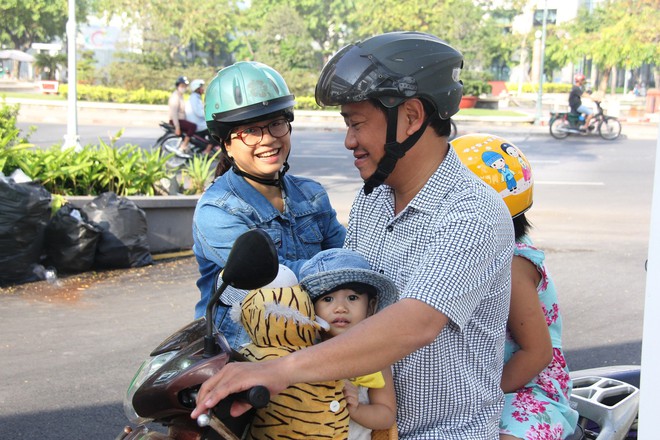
{"x": 235, "y": 377}
{"x": 177, "y": 131}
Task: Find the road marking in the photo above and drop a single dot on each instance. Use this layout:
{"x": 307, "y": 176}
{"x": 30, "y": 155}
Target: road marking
{"x": 567, "y": 182}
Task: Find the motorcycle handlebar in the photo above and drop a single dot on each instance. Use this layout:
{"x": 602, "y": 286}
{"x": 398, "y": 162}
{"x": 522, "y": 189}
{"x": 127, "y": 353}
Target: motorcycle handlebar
{"x": 257, "y": 396}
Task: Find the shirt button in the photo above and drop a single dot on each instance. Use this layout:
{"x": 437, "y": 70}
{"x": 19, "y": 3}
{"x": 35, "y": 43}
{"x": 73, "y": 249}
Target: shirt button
{"x": 334, "y": 406}
{"x": 390, "y": 228}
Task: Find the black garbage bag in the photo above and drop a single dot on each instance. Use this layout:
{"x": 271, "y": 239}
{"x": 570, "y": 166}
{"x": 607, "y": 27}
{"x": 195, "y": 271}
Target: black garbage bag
{"x": 123, "y": 226}
{"x": 71, "y": 240}
{"x": 24, "y": 214}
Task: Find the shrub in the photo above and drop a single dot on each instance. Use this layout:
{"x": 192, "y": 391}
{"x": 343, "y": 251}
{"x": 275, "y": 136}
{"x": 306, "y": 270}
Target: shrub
{"x": 126, "y": 170}
{"x": 11, "y": 141}
{"x": 547, "y": 87}
{"x": 475, "y": 88}
{"x": 113, "y": 94}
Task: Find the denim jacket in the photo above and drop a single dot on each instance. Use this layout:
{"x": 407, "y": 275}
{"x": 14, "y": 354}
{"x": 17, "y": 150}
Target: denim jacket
{"x": 231, "y": 206}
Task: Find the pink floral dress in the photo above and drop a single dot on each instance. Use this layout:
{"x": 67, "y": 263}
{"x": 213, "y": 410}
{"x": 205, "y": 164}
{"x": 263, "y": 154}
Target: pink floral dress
{"x": 541, "y": 409}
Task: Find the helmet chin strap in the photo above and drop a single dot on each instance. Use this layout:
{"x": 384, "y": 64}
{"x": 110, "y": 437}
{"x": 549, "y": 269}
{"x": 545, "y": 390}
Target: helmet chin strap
{"x": 393, "y": 150}
{"x": 270, "y": 182}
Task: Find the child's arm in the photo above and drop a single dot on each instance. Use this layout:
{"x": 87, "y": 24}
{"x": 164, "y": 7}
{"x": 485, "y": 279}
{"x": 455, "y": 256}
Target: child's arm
{"x": 380, "y": 413}
{"x": 527, "y": 326}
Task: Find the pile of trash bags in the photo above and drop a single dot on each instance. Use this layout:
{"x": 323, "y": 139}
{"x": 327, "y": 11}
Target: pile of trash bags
{"x": 107, "y": 232}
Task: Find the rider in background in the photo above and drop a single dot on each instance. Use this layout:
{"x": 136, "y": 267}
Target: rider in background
{"x": 195, "y": 110}
{"x": 575, "y": 100}
{"x": 177, "y": 107}
{"x": 535, "y": 378}
{"x": 249, "y": 110}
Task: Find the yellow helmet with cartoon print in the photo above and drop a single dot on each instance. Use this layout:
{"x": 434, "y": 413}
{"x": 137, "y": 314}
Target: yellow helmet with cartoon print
{"x": 501, "y": 165}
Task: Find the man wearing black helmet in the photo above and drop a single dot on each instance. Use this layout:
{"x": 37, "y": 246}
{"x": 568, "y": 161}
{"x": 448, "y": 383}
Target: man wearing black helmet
{"x": 177, "y": 107}
{"x": 424, "y": 220}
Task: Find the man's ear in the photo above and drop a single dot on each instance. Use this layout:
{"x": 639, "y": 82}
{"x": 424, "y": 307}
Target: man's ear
{"x": 413, "y": 115}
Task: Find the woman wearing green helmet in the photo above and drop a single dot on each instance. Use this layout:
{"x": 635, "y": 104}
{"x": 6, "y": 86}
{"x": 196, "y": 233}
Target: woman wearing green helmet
{"x": 249, "y": 110}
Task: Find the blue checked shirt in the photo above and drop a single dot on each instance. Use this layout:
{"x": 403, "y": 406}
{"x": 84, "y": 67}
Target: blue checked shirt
{"x": 451, "y": 248}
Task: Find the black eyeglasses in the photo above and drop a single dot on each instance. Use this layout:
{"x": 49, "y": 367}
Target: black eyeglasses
{"x": 251, "y": 136}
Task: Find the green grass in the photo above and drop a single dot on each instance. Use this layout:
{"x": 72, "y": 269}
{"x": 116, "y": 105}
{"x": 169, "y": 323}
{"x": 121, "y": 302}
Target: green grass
{"x": 488, "y": 112}
{"x": 34, "y": 95}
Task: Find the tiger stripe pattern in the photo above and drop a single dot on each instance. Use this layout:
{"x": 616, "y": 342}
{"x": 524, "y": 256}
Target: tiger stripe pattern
{"x": 281, "y": 321}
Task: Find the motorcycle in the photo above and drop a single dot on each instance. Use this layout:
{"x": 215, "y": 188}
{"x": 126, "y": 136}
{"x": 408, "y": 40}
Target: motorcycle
{"x": 169, "y": 144}
{"x": 164, "y": 390}
{"x": 564, "y": 123}
{"x": 607, "y": 401}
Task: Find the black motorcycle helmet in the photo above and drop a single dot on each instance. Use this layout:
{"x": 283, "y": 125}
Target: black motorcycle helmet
{"x": 393, "y": 68}
{"x": 181, "y": 80}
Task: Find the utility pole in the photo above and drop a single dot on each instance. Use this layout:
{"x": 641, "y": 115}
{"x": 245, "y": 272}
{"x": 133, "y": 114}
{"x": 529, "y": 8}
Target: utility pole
{"x": 71, "y": 138}
{"x": 539, "y": 99}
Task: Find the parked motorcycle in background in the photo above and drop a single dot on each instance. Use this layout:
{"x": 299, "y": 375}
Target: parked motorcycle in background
{"x": 564, "y": 123}
{"x": 169, "y": 143}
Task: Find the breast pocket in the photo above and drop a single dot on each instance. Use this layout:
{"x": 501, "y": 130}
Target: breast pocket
{"x": 310, "y": 237}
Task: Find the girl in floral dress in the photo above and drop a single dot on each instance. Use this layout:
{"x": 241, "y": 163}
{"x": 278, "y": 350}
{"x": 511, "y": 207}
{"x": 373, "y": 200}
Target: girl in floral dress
{"x": 535, "y": 377}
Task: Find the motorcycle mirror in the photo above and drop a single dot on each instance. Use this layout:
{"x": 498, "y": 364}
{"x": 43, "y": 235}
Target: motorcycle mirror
{"x": 252, "y": 261}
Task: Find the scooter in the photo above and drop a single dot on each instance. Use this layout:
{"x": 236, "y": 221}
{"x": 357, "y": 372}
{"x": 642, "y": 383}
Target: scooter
{"x": 563, "y": 124}
{"x": 607, "y": 400}
{"x": 169, "y": 144}
{"x": 164, "y": 390}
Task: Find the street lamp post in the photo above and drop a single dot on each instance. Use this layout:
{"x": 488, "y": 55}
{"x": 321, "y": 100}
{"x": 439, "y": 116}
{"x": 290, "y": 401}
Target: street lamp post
{"x": 539, "y": 99}
{"x": 71, "y": 138}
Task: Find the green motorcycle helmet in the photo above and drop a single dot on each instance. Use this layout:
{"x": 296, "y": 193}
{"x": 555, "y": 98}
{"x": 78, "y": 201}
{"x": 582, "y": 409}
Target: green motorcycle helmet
{"x": 392, "y": 68}
{"x": 245, "y": 92}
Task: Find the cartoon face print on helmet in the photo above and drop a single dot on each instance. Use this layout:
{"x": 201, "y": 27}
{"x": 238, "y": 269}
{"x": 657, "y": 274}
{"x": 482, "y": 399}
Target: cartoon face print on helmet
{"x": 501, "y": 165}
{"x": 392, "y": 68}
{"x": 245, "y": 92}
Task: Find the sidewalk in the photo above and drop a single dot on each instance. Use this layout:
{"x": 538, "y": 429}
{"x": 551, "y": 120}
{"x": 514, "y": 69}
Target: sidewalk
{"x": 39, "y": 110}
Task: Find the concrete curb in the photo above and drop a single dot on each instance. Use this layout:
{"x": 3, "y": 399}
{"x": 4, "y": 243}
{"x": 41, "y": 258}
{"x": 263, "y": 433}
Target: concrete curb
{"x": 141, "y": 115}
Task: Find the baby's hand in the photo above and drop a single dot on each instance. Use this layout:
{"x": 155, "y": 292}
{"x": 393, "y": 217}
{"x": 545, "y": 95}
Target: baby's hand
{"x": 351, "y": 394}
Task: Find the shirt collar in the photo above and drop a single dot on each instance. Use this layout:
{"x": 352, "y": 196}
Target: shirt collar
{"x": 295, "y": 201}
{"x": 439, "y": 184}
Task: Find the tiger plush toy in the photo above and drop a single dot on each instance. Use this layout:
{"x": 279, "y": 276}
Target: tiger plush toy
{"x": 281, "y": 321}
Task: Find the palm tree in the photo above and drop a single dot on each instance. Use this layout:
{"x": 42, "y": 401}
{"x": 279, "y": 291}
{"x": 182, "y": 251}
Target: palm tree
{"x": 48, "y": 64}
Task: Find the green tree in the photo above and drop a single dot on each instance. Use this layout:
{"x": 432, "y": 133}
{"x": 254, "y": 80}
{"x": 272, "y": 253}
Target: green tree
{"x": 616, "y": 34}
{"x": 328, "y": 22}
{"x": 23, "y": 22}
{"x": 48, "y": 64}
{"x": 174, "y": 30}
{"x": 471, "y": 27}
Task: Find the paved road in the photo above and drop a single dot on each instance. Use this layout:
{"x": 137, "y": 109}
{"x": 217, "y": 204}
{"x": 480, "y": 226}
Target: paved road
{"x": 69, "y": 352}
